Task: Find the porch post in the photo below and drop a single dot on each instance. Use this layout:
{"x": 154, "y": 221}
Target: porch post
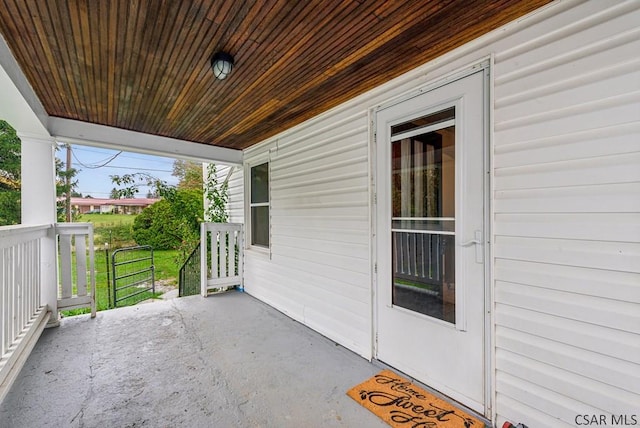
{"x": 39, "y": 207}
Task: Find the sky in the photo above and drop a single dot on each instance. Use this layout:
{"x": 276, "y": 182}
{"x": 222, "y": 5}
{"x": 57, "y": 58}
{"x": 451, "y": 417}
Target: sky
{"x": 95, "y": 165}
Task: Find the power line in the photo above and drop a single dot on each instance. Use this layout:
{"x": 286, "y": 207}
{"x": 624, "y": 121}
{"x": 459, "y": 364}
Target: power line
{"x": 105, "y": 162}
{"x": 139, "y": 169}
{"x": 142, "y": 189}
{"x": 158, "y": 159}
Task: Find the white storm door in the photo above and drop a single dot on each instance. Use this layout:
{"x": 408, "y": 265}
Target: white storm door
{"x": 430, "y": 297}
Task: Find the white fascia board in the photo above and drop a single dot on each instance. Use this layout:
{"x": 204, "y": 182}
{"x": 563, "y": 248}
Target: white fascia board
{"x": 19, "y": 105}
{"x": 89, "y": 134}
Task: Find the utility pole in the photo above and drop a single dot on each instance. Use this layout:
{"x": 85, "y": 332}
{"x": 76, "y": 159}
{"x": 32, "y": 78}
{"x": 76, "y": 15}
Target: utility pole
{"x": 68, "y": 185}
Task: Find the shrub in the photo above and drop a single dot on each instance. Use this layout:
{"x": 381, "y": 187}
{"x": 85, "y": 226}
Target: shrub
{"x": 170, "y": 223}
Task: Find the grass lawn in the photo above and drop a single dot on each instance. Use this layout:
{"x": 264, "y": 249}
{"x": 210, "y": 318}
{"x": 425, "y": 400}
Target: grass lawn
{"x": 112, "y": 229}
{"x": 100, "y": 220}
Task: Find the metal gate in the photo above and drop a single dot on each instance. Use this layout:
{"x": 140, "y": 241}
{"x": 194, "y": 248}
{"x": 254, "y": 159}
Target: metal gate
{"x": 132, "y": 274}
{"x": 189, "y": 275}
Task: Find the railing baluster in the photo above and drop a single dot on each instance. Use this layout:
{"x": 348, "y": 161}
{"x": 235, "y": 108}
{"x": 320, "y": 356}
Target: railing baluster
{"x": 439, "y": 254}
{"x": 81, "y": 265}
{"x": 394, "y": 255}
{"x": 423, "y": 261}
{"x": 415, "y": 255}
{"x": 214, "y": 254}
{"x": 232, "y": 252}
{"x": 223, "y": 254}
{"x": 4, "y": 268}
{"x": 402, "y": 252}
{"x": 65, "y": 266}
{"x": 3, "y": 301}
{"x": 38, "y": 275}
{"x": 12, "y": 296}
{"x": 20, "y": 285}
{"x": 26, "y": 283}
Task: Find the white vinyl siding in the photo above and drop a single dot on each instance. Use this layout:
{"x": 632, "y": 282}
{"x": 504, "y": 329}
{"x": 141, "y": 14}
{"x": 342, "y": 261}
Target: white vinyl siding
{"x": 567, "y": 222}
{"x": 319, "y": 266}
{"x": 236, "y": 196}
{"x": 565, "y": 213}
{"x": 235, "y": 181}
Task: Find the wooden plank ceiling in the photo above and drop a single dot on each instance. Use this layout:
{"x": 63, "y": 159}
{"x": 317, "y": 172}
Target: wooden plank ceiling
{"x": 143, "y": 65}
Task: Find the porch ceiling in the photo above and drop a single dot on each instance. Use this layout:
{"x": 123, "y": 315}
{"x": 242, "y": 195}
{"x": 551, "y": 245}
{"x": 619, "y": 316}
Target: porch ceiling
{"x": 144, "y": 65}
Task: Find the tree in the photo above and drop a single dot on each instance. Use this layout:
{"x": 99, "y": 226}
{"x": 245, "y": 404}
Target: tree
{"x": 116, "y": 194}
{"x": 154, "y": 226}
{"x": 171, "y": 223}
{"x": 10, "y": 170}
{"x": 10, "y": 147}
{"x": 129, "y": 185}
{"x": 65, "y": 184}
{"x": 174, "y": 222}
{"x": 9, "y": 207}
{"x": 189, "y": 174}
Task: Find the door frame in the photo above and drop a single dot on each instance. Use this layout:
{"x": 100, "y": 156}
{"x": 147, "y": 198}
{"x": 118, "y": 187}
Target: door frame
{"x": 485, "y": 66}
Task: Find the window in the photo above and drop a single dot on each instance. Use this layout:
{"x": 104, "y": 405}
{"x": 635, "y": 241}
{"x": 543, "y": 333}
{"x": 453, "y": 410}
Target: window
{"x": 260, "y": 205}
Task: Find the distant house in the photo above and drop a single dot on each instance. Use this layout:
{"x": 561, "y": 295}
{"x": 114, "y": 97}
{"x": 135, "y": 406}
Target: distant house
{"x": 111, "y": 206}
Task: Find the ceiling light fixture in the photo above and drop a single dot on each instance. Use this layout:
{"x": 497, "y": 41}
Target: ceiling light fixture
{"x": 222, "y": 64}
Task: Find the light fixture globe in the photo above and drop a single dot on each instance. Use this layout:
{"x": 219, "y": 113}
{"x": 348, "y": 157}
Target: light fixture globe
{"x": 222, "y": 64}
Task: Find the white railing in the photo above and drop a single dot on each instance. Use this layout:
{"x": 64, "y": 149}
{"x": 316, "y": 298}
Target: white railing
{"x": 79, "y": 290}
{"x": 221, "y": 256}
{"x": 418, "y": 255}
{"x": 25, "y": 253}
{"x": 22, "y": 315}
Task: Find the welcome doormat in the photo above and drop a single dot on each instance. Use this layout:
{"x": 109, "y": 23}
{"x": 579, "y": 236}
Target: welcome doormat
{"x": 400, "y": 403}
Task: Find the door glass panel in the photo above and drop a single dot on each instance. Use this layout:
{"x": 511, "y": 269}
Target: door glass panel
{"x": 423, "y": 217}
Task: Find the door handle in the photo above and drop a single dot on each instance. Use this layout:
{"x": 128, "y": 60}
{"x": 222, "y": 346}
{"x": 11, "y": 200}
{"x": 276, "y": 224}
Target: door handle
{"x": 477, "y": 241}
{"x": 470, "y": 243}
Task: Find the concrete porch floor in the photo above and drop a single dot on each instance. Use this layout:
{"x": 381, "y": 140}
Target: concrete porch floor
{"x": 225, "y": 361}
